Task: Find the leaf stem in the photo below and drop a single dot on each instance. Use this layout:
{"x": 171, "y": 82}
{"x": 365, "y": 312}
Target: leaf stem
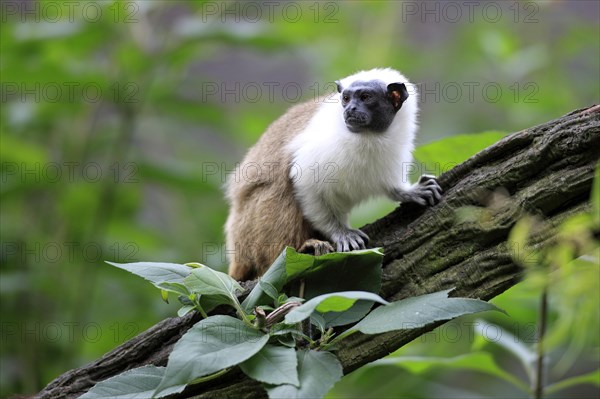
{"x": 199, "y": 307}
{"x": 202, "y": 312}
{"x": 538, "y": 382}
{"x": 337, "y": 339}
{"x": 210, "y": 377}
{"x": 242, "y": 314}
{"x": 305, "y": 325}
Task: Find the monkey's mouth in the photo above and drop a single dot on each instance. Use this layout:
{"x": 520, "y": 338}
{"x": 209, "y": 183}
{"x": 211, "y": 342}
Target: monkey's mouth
{"x": 355, "y": 122}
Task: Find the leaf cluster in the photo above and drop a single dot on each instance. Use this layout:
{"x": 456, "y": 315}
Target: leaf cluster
{"x": 287, "y": 343}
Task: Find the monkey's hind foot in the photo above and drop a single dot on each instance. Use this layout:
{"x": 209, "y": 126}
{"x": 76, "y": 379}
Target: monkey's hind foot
{"x": 316, "y": 247}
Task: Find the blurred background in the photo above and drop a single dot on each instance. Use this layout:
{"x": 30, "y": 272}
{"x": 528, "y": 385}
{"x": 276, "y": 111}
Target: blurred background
{"x": 121, "y": 120}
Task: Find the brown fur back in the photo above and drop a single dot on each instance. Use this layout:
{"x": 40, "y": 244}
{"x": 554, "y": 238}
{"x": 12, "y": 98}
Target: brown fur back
{"x": 264, "y": 215}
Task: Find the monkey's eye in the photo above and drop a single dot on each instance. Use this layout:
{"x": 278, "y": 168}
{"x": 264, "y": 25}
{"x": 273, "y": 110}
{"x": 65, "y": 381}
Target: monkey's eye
{"x": 365, "y": 97}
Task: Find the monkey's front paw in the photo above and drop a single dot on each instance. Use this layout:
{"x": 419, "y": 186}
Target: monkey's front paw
{"x": 316, "y": 247}
{"x": 350, "y": 240}
{"x": 426, "y": 191}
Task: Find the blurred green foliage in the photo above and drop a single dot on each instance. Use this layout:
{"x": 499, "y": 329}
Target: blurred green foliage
{"x": 498, "y": 355}
{"x": 115, "y": 144}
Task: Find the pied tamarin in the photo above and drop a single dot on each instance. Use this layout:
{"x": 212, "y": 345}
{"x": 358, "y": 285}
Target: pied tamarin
{"x": 298, "y": 183}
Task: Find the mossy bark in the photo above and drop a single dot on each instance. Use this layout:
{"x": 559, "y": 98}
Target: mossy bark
{"x": 545, "y": 171}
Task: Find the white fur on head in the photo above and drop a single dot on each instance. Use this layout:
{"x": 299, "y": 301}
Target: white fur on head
{"x": 334, "y": 170}
{"x": 386, "y": 75}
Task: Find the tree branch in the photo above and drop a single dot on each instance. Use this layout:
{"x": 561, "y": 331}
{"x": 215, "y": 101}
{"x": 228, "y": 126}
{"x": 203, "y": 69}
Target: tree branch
{"x": 546, "y": 171}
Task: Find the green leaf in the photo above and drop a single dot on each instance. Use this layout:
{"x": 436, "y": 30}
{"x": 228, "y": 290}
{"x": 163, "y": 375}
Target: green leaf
{"x": 359, "y": 310}
{"x": 298, "y": 264}
{"x": 132, "y": 384}
{"x": 317, "y": 320}
{"x": 165, "y": 295}
{"x": 317, "y": 371}
{"x": 176, "y": 288}
{"x": 208, "y": 303}
{"x": 275, "y": 276}
{"x": 156, "y": 272}
{"x": 291, "y": 299}
{"x": 589, "y": 378}
{"x": 475, "y": 361}
{"x": 206, "y": 281}
{"x": 274, "y": 365}
{"x": 334, "y": 302}
{"x": 210, "y": 345}
{"x": 214, "y": 287}
{"x": 418, "y": 312}
{"x": 185, "y": 310}
{"x": 268, "y": 289}
{"x": 363, "y": 269}
{"x": 281, "y": 329}
{"x": 195, "y": 265}
{"x": 287, "y": 340}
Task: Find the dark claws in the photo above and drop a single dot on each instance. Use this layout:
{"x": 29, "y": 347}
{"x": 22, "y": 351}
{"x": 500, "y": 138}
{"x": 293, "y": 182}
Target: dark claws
{"x": 316, "y": 247}
{"x": 427, "y": 191}
{"x": 350, "y": 240}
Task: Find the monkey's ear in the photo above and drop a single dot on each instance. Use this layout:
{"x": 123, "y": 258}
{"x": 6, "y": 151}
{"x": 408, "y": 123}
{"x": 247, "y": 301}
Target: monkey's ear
{"x": 339, "y": 86}
{"x": 398, "y": 94}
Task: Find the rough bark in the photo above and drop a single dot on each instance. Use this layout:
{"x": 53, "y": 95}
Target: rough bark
{"x": 546, "y": 171}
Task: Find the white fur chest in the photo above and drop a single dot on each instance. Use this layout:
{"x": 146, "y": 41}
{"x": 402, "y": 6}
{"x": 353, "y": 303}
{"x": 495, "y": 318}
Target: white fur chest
{"x": 344, "y": 168}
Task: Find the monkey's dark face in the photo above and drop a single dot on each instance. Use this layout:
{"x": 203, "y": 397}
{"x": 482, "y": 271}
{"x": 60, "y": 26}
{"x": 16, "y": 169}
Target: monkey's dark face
{"x": 371, "y": 106}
